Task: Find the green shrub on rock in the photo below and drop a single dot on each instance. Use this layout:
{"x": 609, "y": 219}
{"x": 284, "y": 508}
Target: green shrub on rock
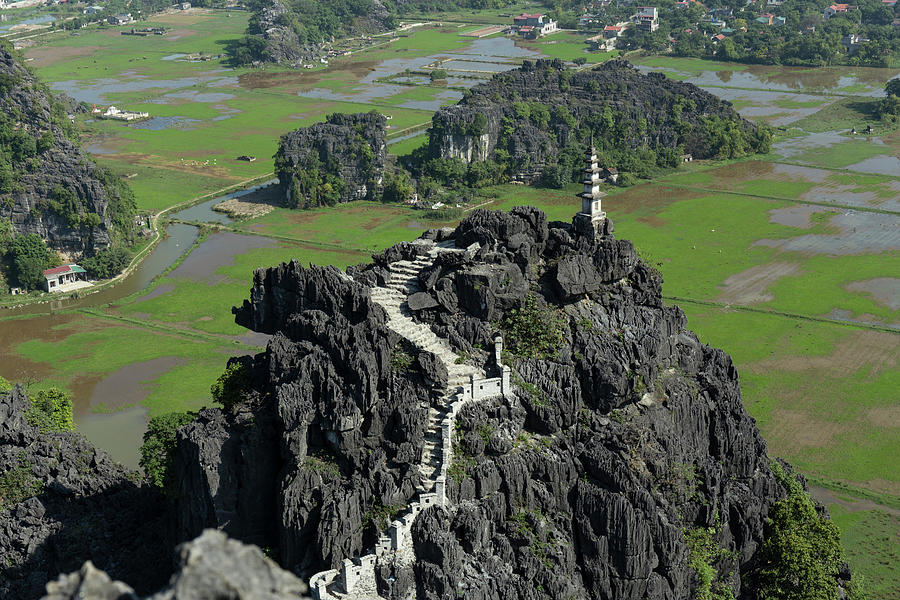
{"x": 801, "y": 555}
{"x": 158, "y": 449}
{"x": 534, "y": 331}
{"x": 230, "y": 388}
{"x": 51, "y": 410}
{"x": 17, "y": 484}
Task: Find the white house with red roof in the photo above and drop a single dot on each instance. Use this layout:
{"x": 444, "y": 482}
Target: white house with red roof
{"x": 65, "y": 278}
{"x": 835, "y": 9}
{"x": 534, "y": 25}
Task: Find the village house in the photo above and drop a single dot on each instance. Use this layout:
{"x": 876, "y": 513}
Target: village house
{"x": 533, "y": 25}
{"x": 184, "y": 5}
{"x": 765, "y": 18}
{"x": 92, "y": 10}
{"x": 123, "y": 115}
{"x": 836, "y": 9}
{"x": 852, "y": 42}
{"x": 647, "y": 18}
{"x": 64, "y": 278}
{"x": 124, "y": 19}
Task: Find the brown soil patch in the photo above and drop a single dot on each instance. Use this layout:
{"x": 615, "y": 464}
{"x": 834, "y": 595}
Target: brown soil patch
{"x": 647, "y": 200}
{"x": 884, "y": 416}
{"x": 177, "y": 34}
{"x": 44, "y": 55}
{"x": 874, "y": 349}
{"x": 884, "y": 290}
{"x": 826, "y": 496}
{"x": 157, "y": 162}
{"x": 798, "y": 431}
{"x": 265, "y": 80}
{"x": 749, "y": 287}
{"x": 243, "y": 209}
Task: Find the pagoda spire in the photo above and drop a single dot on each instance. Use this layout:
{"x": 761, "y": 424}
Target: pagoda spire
{"x": 591, "y": 195}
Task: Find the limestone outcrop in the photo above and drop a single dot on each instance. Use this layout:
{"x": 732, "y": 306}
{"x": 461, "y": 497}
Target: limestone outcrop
{"x": 532, "y": 116}
{"x": 49, "y": 185}
{"x": 63, "y": 502}
{"x": 339, "y": 160}
{"x": 579, "y": 483}
{"x": 211, "y": 566}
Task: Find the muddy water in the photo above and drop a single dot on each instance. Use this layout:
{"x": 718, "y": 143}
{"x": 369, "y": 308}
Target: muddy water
{"x": 95, "y": 90}
{"x": 120, "y": 433}
{"x": 858, "y": 82}
{"x": 203, "y": 212}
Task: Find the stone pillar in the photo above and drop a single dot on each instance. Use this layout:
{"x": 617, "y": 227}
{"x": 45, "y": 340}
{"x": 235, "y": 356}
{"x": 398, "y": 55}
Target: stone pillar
{"x": 498, "y": 350}
{"x": 396, "y": 534}
{"x": 349, "y": 574}
{"x": 440, "y": 488}
{"x": 505, "y": 387}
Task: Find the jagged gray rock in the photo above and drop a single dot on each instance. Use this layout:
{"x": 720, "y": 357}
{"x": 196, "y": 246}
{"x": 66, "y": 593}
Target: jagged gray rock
{"x": 581, "y": 486}
{"x": 84, "y": 506}
{"x": 28, "y": 200}
{"x": 211, "y": 566}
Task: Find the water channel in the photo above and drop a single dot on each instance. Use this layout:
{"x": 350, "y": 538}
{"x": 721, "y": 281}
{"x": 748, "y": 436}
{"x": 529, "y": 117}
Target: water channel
{"x": 117, "y": 432}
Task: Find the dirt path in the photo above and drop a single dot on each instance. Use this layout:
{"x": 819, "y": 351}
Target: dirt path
{"x": 826, "y": 496}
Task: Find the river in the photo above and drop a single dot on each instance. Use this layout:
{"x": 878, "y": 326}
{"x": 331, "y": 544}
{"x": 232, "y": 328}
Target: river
{"x": 117, "y": 432}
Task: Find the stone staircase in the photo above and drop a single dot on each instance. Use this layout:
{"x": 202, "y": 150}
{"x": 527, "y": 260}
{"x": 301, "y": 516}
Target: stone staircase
{"x": 356, "y": 579}
{"x": 392, "y": 298}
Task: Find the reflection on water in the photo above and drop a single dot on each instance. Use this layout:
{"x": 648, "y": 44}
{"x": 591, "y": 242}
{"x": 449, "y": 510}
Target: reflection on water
{"x": 119, "y": 433}
{"x": 32, "y": 21}
{"x": 860, "y": 81}
{"x": 882, "y": 164}
{"x": 95, "y": 90}
{"x": 160, "y": 123}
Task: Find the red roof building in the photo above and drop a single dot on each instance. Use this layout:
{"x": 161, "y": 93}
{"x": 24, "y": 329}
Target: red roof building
{"x": 57, "y": 277}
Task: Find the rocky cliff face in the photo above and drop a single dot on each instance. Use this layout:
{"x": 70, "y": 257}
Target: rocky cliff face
{"x": 580, "y": 484}
{"x": 48, "y": 184}
{"x": 534, "y": 112}
{"x": 272, "y": 25}
{"x": 63, "y": 502}
{"x": 339, "y": 160}
{"x": 211, "y": 566}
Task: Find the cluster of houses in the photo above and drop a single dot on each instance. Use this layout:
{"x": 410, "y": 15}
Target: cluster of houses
{"x": 533, "y": 26}
{"x": 645, "y": 19}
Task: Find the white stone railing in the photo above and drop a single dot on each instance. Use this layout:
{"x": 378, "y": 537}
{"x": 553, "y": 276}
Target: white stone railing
{"x": 334, "y": 583}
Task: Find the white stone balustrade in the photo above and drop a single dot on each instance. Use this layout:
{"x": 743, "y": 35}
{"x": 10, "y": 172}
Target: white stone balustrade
{"x": 348, "y": 582}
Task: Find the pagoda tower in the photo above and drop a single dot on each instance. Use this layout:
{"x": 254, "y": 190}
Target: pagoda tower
{"x": 591, "y": 196}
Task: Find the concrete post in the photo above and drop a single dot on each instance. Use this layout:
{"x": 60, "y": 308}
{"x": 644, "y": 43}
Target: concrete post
{"x": 440, "y": 488}
{"x": 349, "y": 574}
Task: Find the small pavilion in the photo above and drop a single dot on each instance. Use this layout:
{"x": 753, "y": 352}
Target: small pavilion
{"x": 65, "y": 278}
